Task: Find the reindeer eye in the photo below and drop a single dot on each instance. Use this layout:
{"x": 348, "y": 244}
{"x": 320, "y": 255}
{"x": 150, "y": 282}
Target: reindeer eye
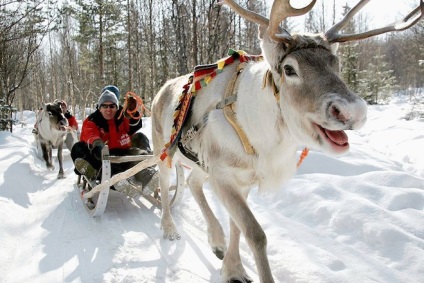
{"x": 289, "y": 70}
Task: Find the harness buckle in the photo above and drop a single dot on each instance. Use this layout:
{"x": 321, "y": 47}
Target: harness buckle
{"x": 189, "y": 135}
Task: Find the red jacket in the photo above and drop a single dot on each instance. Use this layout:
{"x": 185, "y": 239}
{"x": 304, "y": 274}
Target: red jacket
{"x": 115, "y": 132}
{"x": 72, "y": 122}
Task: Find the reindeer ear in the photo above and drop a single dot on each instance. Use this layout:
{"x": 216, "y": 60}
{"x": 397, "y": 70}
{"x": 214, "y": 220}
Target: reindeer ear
{"x": 269, "y": 49}
{"x": 334, "y": 47}
{"x": 262, "y": 31}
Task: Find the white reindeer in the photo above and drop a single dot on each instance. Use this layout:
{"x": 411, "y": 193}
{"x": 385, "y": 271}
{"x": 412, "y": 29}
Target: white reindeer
{"x": 294, "y": 98}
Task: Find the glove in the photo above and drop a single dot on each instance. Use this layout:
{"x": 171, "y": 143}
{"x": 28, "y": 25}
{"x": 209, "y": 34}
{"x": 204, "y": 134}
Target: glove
{"x": 131, "y": 103}
{"x": 131, "y": 106}
{"x": 96, "y": 151}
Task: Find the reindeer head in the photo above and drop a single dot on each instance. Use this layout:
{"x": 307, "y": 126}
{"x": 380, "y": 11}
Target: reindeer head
{"x": 53, "y": 111}
{"x": 315, "y": 104}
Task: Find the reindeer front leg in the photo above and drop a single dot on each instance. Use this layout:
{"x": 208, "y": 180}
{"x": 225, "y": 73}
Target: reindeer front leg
{"x": 216, "y": 236}
{"x": 167, "y": 222}
{"x": 232, "y": 268}
{"x": 234, "y": 197}
{"x": 61, "y": 174}
{"x": 47, "y": 153}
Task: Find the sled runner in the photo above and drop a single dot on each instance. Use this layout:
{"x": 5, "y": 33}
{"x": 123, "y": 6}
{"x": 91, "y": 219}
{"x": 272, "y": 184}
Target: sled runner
{"x": 94, "y": 194}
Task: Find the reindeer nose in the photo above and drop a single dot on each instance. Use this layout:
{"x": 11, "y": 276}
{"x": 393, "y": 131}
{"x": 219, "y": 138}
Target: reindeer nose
{"x": 338, "y": 114}
{"x": 352, "y": 114}
{"x": 338, "y": 111}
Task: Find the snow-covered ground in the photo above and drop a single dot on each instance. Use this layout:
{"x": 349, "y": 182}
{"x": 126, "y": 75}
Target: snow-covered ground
{"x": 356, "y": 218}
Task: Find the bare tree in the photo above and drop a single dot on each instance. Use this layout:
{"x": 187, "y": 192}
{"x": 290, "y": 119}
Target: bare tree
{"x": 23, "y": 25}
{"x": 139, "y": 44}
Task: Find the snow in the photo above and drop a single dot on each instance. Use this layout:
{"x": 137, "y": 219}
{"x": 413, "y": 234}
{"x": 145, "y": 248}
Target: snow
{"x": 356, "y": 218}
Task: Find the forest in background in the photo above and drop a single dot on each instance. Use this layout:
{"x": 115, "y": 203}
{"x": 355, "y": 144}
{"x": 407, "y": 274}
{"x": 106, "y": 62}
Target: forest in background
{"x": 53, "y": 49}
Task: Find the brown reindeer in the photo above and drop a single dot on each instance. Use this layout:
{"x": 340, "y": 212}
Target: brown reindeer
{"x": 294, "y": 98}
{"x": 52, "y": 128}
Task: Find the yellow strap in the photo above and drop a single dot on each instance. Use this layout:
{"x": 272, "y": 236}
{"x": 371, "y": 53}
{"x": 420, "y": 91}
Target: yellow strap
{"x": 230, "y": 113}
{"x": 268, "y": 80}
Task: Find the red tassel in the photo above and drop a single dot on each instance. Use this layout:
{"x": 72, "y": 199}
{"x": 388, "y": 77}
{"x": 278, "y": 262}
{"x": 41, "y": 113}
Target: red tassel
{"x": 302, "y": 157}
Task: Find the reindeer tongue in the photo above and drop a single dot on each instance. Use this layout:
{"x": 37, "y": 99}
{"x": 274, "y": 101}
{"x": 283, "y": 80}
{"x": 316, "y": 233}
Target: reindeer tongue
{"x": 338, "y": 137}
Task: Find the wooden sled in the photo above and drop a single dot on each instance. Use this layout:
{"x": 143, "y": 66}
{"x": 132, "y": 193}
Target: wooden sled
{"x": 94, "y": 194}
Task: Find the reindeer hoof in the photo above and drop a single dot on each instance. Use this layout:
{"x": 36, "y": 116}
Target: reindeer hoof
{"x": 219, "y": 253}
{"x": 61, "y": 176}
{"x": 246, "y": 279}
{"x": 172, "y": 236}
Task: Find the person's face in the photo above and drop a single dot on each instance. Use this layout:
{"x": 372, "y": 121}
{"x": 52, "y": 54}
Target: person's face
{"x": 108, "y": 110}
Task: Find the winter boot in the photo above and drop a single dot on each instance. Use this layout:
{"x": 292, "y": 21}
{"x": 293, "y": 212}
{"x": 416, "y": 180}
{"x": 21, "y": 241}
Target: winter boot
{"x": 126, "y": 188}
{"x": 149, "y": 179}
{"x": 139, "y": 140}
{"x": 85, "y": 168}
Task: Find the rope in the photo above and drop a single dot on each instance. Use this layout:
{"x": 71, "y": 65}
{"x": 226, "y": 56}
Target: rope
{"x": 140, "y": 107}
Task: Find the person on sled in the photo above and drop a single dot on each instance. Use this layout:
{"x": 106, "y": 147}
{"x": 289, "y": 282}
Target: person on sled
{"x": 109, "y": 125}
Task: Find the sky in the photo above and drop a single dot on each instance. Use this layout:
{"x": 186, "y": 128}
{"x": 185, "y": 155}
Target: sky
{"x": 355, "y": 218}
{"x": 383, "y": 12}
{"x": 379, "y": 12}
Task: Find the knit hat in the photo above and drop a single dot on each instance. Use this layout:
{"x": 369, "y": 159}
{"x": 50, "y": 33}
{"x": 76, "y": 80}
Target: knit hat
{"x": 113, "y": 89}
{"x": 108, "y": 96}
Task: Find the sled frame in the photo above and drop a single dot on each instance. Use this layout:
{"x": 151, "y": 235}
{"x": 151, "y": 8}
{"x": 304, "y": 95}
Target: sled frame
{"x": 94, "y": 194}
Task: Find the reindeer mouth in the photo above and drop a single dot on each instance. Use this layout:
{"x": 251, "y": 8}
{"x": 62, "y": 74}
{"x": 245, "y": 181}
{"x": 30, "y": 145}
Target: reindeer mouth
{"x": 62, "y": 128}
{"x": 338, "y": 140}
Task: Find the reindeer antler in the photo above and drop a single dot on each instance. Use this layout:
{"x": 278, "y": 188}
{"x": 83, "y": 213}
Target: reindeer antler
{"x": 333, "y": 34}
{"x": 281, "y": 9}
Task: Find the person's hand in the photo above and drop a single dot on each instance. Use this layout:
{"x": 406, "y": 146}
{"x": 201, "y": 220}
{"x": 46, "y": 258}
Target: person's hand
{"x": 96, "y": 151}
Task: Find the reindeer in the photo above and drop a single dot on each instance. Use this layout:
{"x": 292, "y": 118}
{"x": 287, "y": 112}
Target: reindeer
{"x": 293, "y": 98}
{"x": 52, "y": 128}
